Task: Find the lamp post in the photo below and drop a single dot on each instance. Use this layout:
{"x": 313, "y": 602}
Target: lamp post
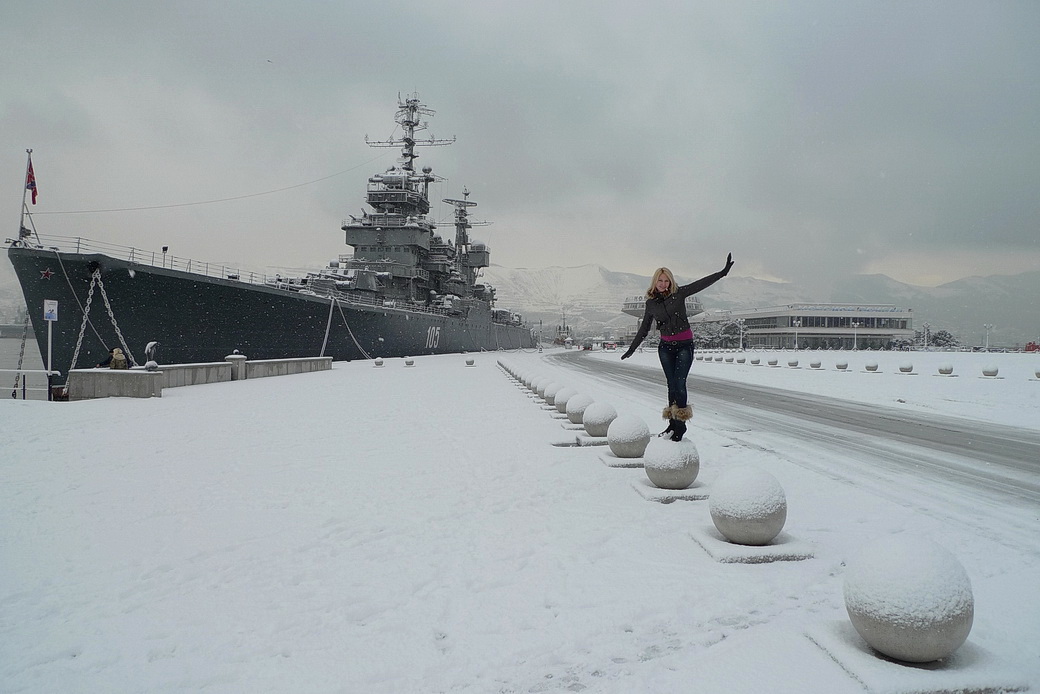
{"x": 988, "y": 327}
{"x": 796, "y": 323}
{"x": 740, "y": 326}
{"x": 855, "y": 336}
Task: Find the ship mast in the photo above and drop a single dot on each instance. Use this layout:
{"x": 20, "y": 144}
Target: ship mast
{"x": 408, "y": 113}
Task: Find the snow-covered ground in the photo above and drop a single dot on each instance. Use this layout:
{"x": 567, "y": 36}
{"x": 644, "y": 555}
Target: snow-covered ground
{"x": 412, "y": 530}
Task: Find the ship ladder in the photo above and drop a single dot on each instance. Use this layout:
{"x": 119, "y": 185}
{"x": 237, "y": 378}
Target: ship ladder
{"x": 95, "y": 281}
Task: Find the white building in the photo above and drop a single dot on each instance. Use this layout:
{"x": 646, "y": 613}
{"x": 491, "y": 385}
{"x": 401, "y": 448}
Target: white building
{"x": 816, "y": 326}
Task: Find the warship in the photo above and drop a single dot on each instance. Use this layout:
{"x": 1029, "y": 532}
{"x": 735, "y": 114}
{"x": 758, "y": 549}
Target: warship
{"x": 404, "y": 290}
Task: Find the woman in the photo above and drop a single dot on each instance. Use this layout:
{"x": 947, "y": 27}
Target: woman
{"x": 666, "y": 304}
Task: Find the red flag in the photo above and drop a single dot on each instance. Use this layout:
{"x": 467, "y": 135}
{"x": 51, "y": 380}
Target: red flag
{"x": 30, "y": 181}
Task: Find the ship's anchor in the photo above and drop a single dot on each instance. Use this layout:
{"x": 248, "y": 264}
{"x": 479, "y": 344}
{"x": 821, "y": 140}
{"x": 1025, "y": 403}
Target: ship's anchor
{"x": 95, "y": 281}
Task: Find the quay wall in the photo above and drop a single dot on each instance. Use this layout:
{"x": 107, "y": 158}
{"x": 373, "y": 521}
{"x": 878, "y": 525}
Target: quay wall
{"x": 89, "y": 384}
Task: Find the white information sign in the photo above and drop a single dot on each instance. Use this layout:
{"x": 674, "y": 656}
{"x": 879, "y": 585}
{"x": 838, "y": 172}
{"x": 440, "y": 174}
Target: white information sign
{"x": 50, "y": 309}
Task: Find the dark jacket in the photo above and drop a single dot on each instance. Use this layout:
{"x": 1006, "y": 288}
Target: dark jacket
{"x": 670, "y": 312}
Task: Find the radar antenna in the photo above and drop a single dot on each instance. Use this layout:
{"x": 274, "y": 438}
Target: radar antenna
{"x": 408, "y": 112}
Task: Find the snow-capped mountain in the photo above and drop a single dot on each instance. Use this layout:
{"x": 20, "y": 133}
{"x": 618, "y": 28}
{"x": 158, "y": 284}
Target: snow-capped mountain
{"x": 589, "y": 299}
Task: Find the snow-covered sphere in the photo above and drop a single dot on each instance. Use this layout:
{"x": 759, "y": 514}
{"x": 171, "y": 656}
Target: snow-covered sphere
{"x": 628, "y": 436}
{"x": 774, "y": 362}
{"x": 576, "y": 407}
{"x": 909, "y": 598}
{"x": 671, "y": 464}
{"x": 536, "y": 382}
{"x": 871, "y": 366}
{"x": 729, "y": 360}
{"x": 748, "y": 506}
{"x": 990, "y": 370}
{"x": 816, "y": 363}
{"x": 597, "y": 418}
{"x": 945, "y": 369}
{"x": 756, "y": 361}
{"x": 542, "y": 385}
{"x": 151, "y": 365}
{"x": 469, "y": 361}
{"x": 378, "y": 362}
{"x": 741, "y": 360}
{"x": 550, "y": 392}
{"x": 718, "y": 357}
{"x": 792, "y": 363}
{"x": 841, "y": 365}
{"x": 906, "y": 367}
{"x": 562, "y": 396}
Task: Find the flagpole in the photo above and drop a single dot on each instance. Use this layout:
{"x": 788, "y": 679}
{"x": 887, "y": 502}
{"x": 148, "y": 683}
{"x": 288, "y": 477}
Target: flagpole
{"x": 25, "y": 189}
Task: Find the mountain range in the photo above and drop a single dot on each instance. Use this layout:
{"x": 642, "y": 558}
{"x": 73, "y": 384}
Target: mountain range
{"x": 589, "y": 299}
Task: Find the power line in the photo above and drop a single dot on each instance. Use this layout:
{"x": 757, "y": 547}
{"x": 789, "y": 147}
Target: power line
{"x": 211, "y": 202}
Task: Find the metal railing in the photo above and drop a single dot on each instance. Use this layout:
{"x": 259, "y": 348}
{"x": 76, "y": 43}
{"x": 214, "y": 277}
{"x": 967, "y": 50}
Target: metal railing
{"x": 21, "y": 390}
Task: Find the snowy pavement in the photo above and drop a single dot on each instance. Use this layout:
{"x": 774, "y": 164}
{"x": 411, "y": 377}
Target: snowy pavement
{"x": 405, "y": 529}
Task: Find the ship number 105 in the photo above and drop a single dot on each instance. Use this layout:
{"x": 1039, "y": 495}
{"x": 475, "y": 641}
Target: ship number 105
{"x": 433, "y": 337}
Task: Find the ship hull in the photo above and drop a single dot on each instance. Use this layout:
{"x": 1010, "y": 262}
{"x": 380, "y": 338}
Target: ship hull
{"x": 199, "y": 318}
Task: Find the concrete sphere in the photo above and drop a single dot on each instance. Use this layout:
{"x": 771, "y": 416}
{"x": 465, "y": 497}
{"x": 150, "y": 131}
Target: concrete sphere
{"x": 841, "y": 365}
{"x": 671, "y": 464}
{"x": 773, "y": 361}
{"x": 576, "y": 407}
{"x": 816, "y": 363}
{"x": 945, "y": 369}
{"x": 628, "y": 436}
{"x": 729, "y": 360}
{"x": 990, "y": 370}
{"x": 906, "y": 367}
{"x": 378, "y": 362}
{"x": 718, "y": 357}
{"x": 748, "y": 506}
{"x": 597, "y": 418}
{"x": 550, "y": 392}
{"x": 562, "y": 396}
{"x": 871, "y": 366}
{"x": 469, "y": 361}
{"x": 741, "y": 360}
{"x": 542, "y": 385}
{"x": 909, "y": 598}
{"x": 792, "y": 363}
{"x": 1038, "y": 373}
{"x": 756, "y": 361}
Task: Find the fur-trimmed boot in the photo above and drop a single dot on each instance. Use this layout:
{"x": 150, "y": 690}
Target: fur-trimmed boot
{"x": 682, "y": 415}
{"x": 669, "y": 414}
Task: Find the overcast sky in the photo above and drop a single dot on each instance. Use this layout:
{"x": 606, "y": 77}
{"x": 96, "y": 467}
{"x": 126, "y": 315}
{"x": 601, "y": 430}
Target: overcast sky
{"x": 809, "y": 138}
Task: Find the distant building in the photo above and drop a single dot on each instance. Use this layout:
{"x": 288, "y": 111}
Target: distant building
{"x": 817, "y": 326}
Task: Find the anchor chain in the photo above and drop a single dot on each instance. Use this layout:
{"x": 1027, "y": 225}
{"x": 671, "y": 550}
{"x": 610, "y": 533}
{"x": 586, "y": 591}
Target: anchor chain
{"x": 112, "y": 317}
{"x": 86, "y": 317}
{"x": 21, "y": 356}
{"x": 95, "y": 281}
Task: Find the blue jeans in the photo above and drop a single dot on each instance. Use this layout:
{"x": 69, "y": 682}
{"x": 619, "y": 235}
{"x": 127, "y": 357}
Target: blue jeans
{"x": 676, "y": 360}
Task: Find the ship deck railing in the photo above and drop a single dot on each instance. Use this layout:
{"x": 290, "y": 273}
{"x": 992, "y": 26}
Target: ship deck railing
{"x": 82, "y": 246}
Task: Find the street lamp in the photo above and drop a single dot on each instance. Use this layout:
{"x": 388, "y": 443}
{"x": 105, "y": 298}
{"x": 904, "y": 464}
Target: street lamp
{"x": 796, "y": 323}
{"x": 855, "y": 341}
{"x": 988, "y": 327}
{"x": 740, "y": 326}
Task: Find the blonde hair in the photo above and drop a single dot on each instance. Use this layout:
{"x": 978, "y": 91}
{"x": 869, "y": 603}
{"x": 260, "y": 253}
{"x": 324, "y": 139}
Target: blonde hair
{"x": 652, "y": 291}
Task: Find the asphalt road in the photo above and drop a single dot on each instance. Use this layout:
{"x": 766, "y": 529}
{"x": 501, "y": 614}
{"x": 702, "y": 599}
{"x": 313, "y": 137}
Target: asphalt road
{"x": 963, "y": 457}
